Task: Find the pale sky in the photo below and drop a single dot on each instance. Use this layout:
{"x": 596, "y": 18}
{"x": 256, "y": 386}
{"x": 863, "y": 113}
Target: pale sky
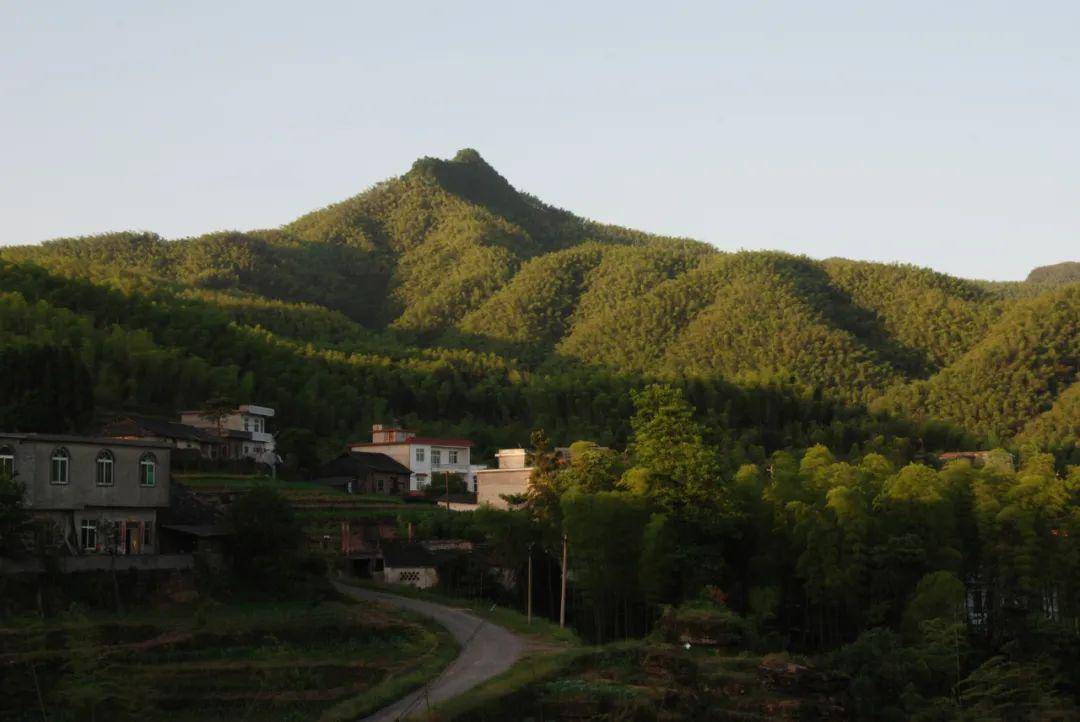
{"x": 943, "y": 134}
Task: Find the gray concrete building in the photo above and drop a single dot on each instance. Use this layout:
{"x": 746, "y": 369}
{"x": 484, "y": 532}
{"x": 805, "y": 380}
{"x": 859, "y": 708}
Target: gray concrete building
{"x": 103, "y": 495}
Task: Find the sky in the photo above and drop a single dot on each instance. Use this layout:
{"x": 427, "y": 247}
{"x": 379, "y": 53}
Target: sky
{"x": 943, "y": 134}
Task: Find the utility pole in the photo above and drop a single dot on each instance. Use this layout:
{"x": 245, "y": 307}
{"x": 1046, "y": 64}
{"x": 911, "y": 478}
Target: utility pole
{"x": 562, "y": 601}
{"x": 529, "y": 603}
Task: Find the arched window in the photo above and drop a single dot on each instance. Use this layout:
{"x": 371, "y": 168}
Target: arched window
{"x": 7, "y": 461}
{"x": 105, "y": 468}
{"x": 58, "y": 470}
{"x": 148, "y": 470}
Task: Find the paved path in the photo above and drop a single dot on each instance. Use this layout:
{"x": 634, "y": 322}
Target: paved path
{"x": 486, "y": 650}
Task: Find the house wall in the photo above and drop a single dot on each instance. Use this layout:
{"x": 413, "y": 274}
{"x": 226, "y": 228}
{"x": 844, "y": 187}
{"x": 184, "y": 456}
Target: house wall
{"x": 249, "y": 418}
{"x": 424, "y": 471}
{"x": 461, "y": 466}
{"x": 491, "y": 483}
{"x": 126, "y": 506}
{"x": 419, "y": 577}
{"x": 32, "y": 467}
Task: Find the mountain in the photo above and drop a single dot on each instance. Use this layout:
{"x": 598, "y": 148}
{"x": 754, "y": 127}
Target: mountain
{"x": 447, "y": 296}
{"x": 1022, "y": 368}
{"x": 1057, "y": 274}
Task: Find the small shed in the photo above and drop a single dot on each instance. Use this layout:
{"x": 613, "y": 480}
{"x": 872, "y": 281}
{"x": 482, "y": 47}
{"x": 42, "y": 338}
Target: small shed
{"x": 409, "y": 564}
{"x": 362, "y": 472}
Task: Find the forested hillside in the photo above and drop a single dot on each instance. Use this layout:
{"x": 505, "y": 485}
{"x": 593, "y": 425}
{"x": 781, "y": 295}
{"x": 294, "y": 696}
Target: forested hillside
{"x": 450, "y": 299}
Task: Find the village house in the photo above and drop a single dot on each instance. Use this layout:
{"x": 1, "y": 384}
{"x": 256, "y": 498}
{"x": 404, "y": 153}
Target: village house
{"x": 103, "y": 495}
{"x": 509, "y": 478}
{"x": 365, "y": 472}
{"x": 243, "y": 431}
{"x": 428, "y": 458}
{"x": 409, "y": 564}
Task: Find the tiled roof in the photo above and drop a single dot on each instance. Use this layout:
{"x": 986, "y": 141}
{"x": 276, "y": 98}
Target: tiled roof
{"x": 73, "y": 439}
{"x": 355, "y": 463}
{"x": 404, "y": 555}
{"x": 135, "y": 425}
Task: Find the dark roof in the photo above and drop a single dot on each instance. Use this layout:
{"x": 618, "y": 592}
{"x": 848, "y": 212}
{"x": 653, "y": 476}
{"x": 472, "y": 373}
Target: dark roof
{"x": 134, "y": 425}
{"x": 404, "y": 555}
{"x": 425, "y": 440}
{"x": 357, "y": 463}
{"x": 235, "y": 433}
{"x": 72, "y": 439}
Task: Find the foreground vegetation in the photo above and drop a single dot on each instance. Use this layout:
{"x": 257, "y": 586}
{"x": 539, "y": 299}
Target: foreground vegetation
{"x": 269, "y": 661}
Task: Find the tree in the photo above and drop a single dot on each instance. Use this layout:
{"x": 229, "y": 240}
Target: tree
{"x": 14, "y": 517}
{"x": 605, "y": 534}
{"x": 216, "y": 410}
{"x": 266, "y": 539}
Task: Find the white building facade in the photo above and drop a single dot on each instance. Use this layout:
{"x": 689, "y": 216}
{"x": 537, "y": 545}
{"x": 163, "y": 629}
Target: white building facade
{"x": 429, "y": 459}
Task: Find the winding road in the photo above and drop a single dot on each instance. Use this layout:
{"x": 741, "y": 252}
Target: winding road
{"x": 486, "y": 650}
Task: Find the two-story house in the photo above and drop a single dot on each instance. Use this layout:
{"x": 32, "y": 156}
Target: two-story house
{"x": 428, "y": 458}
{"x": 243, "y": 430}
{"x": 103, "y": 495}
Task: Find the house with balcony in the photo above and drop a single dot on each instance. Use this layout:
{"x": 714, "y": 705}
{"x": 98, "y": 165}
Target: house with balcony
{"x": 428, "y": 458}
{"x": 102, "y": 495}
{"x": 243, "y": 431}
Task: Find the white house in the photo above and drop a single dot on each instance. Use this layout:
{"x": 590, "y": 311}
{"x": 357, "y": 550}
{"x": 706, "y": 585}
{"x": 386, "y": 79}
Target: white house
{"x": 244, "y": 431}
{"x": 428, "y": 458}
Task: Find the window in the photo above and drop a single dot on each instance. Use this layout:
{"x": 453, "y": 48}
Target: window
{"x": 453, "y": 456}
{"x": 436, "y": 457}
{"x": 419, "y": 454}
{"x": 58, "y": 470}
{"x": 379, "y": 485}
{"x": 105, "y": 468}
{"x": 148, "y": 534}
{"x": 89, "y": 535}
{"x": 7, "y": 461}
{"x": 147, "y": 470}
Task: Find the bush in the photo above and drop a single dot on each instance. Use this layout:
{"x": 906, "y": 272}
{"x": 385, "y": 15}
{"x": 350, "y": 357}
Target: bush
{"x": 264, "y": 550}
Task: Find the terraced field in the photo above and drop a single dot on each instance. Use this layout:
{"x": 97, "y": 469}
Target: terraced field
{"x": 256, "y": 662}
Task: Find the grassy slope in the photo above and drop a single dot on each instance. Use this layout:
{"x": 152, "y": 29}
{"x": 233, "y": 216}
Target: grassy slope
{"x": 258, "y": 661}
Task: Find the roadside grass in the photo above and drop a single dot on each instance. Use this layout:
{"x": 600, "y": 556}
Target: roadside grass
{"x": 530, "y": 670}
{"x": 444, "y": 649}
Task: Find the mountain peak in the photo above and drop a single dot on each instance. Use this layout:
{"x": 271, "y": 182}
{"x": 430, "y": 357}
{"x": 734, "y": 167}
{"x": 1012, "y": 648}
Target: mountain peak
{"x": 469, "y": 155}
